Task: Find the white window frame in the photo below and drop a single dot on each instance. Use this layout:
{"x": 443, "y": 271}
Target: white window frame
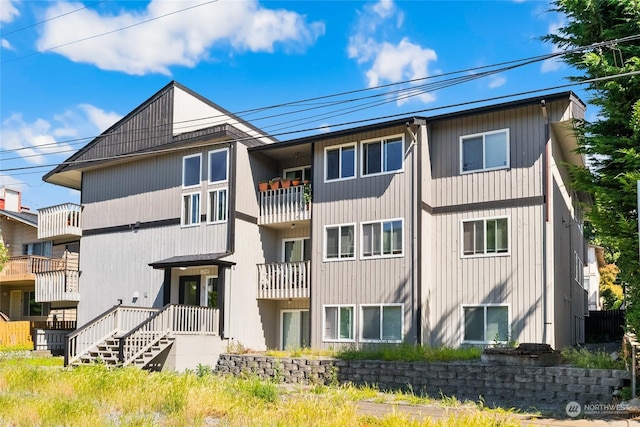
{"x": 355, "y": 242}
{"x": 301, "y": 169}
{"x": 484, "y": 225}
{"x": 184, "y": 160}
{"x": 226, "y": 211}
{"x": 324, "y": 323}
{"x": 382, "y": 255}
{"x": 485, "y": 306}
{"x": 292, "y": 239}
{"x": 484, "y": 152}
{"x": 226, "y": 173}
{"x": 578, "y": 274}
{"x": 381, "y": 306}
{"x": 355, "y": 162}
{"x": 183, "y": 224}
{"x": 382, "y": 156}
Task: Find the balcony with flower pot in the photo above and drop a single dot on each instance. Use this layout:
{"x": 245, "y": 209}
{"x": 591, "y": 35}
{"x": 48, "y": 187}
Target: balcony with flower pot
{"x": 284, "y": 202}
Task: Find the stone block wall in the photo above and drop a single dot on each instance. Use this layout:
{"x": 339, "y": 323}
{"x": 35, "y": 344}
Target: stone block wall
{"x": 499, "y": 385}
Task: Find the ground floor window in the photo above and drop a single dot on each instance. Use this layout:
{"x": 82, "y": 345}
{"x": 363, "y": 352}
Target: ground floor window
{"x": 32, "y": 308}
{"x": 212, "y": 292}
{"x": 338, "y": 323}
{"x": 382, "y": 322}
{"x": 486, "y": 323}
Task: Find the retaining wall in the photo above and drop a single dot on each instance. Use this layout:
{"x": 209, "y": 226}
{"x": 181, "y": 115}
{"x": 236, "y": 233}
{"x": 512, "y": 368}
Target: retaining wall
{"x": 498, "y": 385}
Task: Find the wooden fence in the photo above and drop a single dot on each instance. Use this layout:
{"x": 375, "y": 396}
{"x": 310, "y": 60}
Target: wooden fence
{"x": 16, "y": 334}
{"x": 604, "y": 326}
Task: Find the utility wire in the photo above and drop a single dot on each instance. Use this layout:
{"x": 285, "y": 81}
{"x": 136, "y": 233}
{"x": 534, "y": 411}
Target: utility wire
{"x": 108, "y": 32}
{"x": 391, "y": 116}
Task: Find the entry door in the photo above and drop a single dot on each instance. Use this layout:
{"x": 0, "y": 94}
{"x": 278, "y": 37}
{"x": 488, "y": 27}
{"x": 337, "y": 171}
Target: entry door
{"x": 189, "y": 290}
{"x": 15, "y": 305}
{"x": 295, "y": 329}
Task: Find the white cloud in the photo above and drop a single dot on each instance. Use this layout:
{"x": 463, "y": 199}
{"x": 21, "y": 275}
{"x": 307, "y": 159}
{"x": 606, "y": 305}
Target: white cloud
{"x": 12, "y": 182}
{"x": 496, "y": 81}
{"x": 388, "y": 62}
{"x": 45, "y": 141}
{"x": 181, "y": 38}
{"x": 9, "y": 10}
{"x": 555, "y": 63}
{"x": 6, "y": 45}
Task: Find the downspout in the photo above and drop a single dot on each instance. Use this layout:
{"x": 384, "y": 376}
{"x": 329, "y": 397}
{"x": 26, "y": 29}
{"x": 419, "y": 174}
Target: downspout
{"x": 545, "y": 195}
{"x": 415, "y": 301}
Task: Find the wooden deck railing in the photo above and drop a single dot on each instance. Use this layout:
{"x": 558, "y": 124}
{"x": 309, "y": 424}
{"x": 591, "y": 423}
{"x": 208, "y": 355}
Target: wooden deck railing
{"x": 284, "y": 205}
{"x": 284, "y": 280}
{"x": 15, "y": 334}
{"x": 20, "y": 266}
{"x": 172, "y": 319}
{"x": 60, "y": 285}
{"x": 115, "y": 321}
{"x": 59, "y": 220}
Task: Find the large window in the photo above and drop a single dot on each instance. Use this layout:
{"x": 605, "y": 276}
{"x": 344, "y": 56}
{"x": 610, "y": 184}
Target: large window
{"x": 191, "y": 170}
{"x": 340, "y": 242}
{"x": 486, "y": 323}
{"x": 485, "y": 237}
{"x": 381, "y": 322}
{"x": 217, "y": 209}
{"x": 37, "y": 248}
{"x": 382, "y": 238}
{"x": 32, "y": 308}
{"x": 382, "y": 156}
{"x": 218, "y": 165}
{"x": 338, "y": 323}
{"x": 484, "y": 151}
{"x": 340, "y": 162}
{"x": 190, "y": 209}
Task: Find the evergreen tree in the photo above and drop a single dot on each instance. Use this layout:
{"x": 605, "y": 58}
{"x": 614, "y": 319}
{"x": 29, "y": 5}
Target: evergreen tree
{"x": 612, "y": 142}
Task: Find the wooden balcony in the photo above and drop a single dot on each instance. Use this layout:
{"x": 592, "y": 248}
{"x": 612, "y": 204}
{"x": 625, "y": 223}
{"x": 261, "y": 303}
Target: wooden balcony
{"x": 284, "y": 280}
{"x": 60, "y": 222}
{"x": 24, "y": 268}
{"x": 284, "y": 206}
{"x": 58, "y": 286}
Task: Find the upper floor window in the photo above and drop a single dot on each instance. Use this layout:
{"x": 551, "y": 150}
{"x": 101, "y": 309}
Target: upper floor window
{"x": 190, "y": 209}
{"x": 340, "y": 162}
{"x": 191, "y": 170}
{"x": 218, "y": 165}
{"x": 217, "y": 211}
{"x": 486, "y": 323}
{"x": 381, "y": 322}
{"x": 340, "y": 242}
{"x": 484, "y": 151}
{"x": 485, "y": 236}
{"x": 382, "y": 156}
{"x": 38, "y": 248}
{"x": 382, "y": 238}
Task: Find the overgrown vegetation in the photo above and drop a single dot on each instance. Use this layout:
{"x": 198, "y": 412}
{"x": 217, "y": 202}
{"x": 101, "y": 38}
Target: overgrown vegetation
{"x": 410, "y": 353}
{"x": 583, "y": 358}
{"x": 610, "y": 291}
{"x": 97, "y": 396}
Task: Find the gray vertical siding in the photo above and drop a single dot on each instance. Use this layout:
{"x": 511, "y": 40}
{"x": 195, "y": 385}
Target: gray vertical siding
{"x": 361, "y": 281}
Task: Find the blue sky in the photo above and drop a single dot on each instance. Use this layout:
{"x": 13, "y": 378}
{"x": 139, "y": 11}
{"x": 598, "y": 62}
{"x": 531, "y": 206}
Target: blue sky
{"x": 69, "y": 70}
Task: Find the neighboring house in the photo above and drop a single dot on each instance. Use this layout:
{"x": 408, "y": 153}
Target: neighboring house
{"x": 595, "y": 261}
{"x": 39, "y": 269}
{"x": 449, "y": 230}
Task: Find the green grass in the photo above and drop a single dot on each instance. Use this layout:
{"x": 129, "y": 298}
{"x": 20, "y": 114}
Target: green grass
{"x": 410, "y": 353}
{"x": 583, "y": 358}
{"x": 32, "y": 395}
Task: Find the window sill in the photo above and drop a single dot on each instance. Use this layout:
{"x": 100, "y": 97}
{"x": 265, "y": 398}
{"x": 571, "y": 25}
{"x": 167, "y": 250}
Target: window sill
{"x": 366, "y": 257}
{"x": 339, "y": 259}
{"x": 489, "y": 255}
{"x": 393, "y": 172}
{"x": 463, "y": 172}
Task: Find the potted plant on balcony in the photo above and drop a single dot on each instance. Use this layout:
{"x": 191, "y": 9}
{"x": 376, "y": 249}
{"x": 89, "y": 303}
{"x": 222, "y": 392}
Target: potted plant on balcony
{"x": 295, "y": 181}
{"x": 263, "y": 185}
{"x": 274, "y": 183}
{"x": 307, "y": 194}
{"x": 285, "y": 182}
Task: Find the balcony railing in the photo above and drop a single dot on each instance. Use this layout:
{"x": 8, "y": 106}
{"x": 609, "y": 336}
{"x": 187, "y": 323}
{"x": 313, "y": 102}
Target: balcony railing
{"x": 24, "y": 267}
{"x": 284, "y": 280}
{"x": 61, "y": 285}
{"x": 284, "y": 205}
{"x": 59, "y": 221}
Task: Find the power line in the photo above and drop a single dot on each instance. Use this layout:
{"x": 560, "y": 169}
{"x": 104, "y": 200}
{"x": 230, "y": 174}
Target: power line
{"x": 108, "y": 32}
{"x": 388, "y": 117}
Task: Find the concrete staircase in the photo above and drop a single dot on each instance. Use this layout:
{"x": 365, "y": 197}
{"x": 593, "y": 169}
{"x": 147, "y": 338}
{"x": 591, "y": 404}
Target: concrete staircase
{"x": 107, "y": 352}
